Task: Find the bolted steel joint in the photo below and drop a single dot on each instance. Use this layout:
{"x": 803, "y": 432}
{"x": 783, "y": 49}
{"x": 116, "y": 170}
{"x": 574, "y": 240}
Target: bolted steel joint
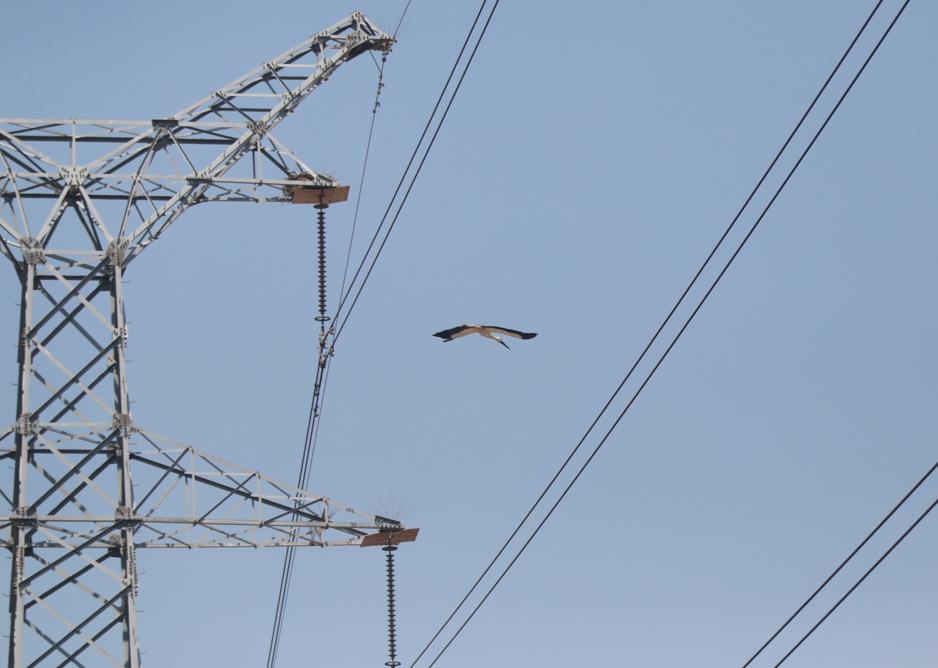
{"x": 122, "y": 422}
{"x": 26, "y": 426}
{"x": 74, "y": 176}
{"x": 259, "y": 128}
{"x": 32, "y": 251}
{"x": 135, "y": 576}
{"x": 19, "y": 565}
{"x": 386, "y": 524}
{"x": 117, "y": 251}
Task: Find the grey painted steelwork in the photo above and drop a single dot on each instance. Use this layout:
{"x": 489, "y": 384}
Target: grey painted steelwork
{"x": 86, "y": 486}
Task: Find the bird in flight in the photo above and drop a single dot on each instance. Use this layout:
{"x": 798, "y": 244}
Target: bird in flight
{"x": 488, "y": 331}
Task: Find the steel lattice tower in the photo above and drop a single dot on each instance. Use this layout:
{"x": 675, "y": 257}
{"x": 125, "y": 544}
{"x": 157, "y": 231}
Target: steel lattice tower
{"x": 87, "y": 486}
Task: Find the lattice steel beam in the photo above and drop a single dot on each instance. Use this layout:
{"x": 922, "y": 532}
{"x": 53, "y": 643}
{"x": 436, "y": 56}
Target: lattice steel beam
{"x": 74, "y": 514}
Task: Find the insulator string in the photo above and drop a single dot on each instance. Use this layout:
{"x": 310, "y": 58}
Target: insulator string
{"x": 392, "y": 661}
{"x": 322, "y": 318}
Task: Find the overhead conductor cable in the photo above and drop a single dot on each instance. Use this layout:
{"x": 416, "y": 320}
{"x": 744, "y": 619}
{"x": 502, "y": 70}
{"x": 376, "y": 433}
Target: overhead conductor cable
{"x": 326, "y": 345}
{"x": 667, "y": 351}
{"x": 657, "y": 333}
{"x": 418, "y": 169}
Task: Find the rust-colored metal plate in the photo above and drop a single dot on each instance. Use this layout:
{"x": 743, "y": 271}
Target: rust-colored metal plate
{"x": 306, "y": 195}
{"x": 381, "y": 538}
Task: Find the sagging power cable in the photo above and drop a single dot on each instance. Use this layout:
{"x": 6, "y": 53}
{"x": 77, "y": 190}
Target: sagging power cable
{"x": 840, "y": 567}
{"x": 860, "y": 581}
{"x": 674, "y": 340}
{"x": 327, "y": 345}
{"x": 660, "y": 328}
{"x": 309, "y": 447}
{"x": 400, "y": 21}
{"x": 324, "y": 363}
{"x": 361, "y": 180}
{"x": 410, "y": 163}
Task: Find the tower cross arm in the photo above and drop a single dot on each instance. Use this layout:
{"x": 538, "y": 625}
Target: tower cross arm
{"x": 187, "y": 498}
{"x": 145, "y": 174}
{"x": 227, "y": 505}
{"x": 260, "y": 100}
{"x": 346, "y": 39}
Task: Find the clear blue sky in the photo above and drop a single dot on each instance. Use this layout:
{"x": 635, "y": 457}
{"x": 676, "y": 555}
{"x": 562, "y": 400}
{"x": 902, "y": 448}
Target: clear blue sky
{"x": 595, "y": 153}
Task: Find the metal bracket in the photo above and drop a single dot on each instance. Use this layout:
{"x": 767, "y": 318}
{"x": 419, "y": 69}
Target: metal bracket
{"x": 386, "y": 538}
{"x": 19, "y": 567}
{"x": 25, "y": 426}
{"x": 259, "y": 128}
{"x": 21, "y": 515}
{"x": 74, "y": 176}
{"x": 123, "y": 422}
{"x": 165, "y": 123}
{"x": 117, "y": 250}
{"x": 32, "y": 251}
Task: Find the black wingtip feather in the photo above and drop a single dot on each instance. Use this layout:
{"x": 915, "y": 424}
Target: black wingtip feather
{"x": 447, "y": 334}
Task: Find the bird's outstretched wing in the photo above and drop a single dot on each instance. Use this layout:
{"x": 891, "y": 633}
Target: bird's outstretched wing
{"x": 512, "y": 332}
{"x": 456, "y": 332}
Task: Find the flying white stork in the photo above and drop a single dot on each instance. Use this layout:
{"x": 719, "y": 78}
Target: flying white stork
{"x": 488, "y": 331}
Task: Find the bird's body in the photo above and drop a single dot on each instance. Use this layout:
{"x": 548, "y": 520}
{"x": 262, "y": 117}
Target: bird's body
{"x": 488, "y": 331}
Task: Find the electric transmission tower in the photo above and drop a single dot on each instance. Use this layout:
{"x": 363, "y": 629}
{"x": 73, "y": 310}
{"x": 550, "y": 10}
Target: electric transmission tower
{"x": 86, "y": 487}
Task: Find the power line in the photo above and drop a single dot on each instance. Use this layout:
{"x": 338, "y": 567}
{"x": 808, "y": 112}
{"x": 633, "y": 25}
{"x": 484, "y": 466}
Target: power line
{"x": 862, "y": 578}
{"x": 410, "y": 163}
{"x": 657, "y": 333}
{"x": 319, "y": 385}
{"x": 361, "y": 180}
{"x": 309, "y": 445}
{"x": 400, "y": 21}
{"x": 413, "y": 155}
{"x": 676, "y": 338}
{"x": 839, "y": 568}
{"x": 326, "y": 347}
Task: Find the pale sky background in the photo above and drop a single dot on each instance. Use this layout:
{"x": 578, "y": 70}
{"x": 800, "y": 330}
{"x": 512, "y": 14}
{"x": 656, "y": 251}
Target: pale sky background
{"x": 594, "y": 155}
